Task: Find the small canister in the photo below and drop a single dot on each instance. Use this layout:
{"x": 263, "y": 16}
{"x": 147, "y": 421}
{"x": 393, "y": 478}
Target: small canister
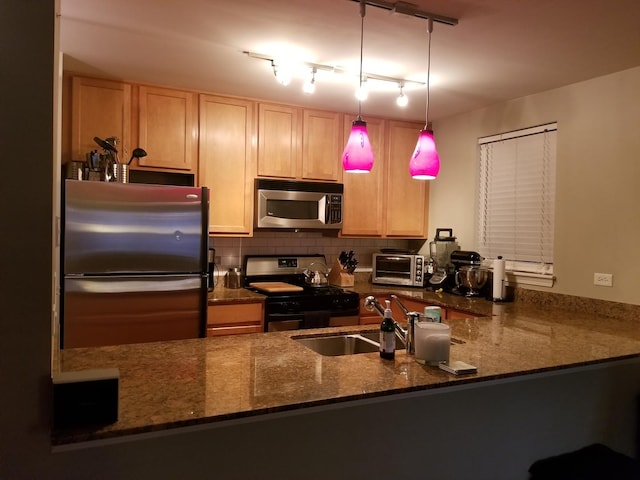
{"x": 233, "y": 278}
{"x": 433, "y": 314}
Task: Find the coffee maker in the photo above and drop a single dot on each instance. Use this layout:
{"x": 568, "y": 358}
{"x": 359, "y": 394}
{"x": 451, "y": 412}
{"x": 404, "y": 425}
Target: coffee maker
{"x": 470, "y": 276}
{"x": 439, "y": 269}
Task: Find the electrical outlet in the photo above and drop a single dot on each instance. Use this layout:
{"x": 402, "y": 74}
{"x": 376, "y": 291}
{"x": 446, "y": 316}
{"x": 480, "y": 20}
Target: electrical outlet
{"x": 218, "y": 260}
{"x": 603, "y": 279}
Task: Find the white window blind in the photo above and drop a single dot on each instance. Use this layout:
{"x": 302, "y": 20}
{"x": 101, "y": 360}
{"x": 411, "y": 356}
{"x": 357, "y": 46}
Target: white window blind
{"x": 516, "y": 198}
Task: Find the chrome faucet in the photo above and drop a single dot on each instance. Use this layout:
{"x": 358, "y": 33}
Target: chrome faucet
{"x": 406, "y": 335}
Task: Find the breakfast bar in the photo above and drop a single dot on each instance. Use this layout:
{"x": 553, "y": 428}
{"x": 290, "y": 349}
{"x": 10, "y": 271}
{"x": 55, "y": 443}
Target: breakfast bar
{"x": 169, "y": 386}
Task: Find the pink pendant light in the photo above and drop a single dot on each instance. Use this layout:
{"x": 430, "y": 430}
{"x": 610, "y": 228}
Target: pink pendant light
{"x": 425, "y": 162}
{"x": 358, "y": 154}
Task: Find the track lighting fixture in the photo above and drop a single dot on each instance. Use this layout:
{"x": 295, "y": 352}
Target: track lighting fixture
{"x": 402, "y": 100}
{"x": 282, "y": 73}
{"x": 309, "y": 86}
{"x": 285, "y": 73}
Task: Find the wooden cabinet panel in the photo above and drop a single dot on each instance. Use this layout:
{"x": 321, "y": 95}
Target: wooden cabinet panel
{"x": 321, "y": 145}
{"x": 227, "y": 162}
{"x": 278, "y": 140}
{"x": 231, "y": 319}
{"x": 363, "y": 207}
{"x": 99, "y": 108}
{"x": 168, "y": 128}
{"x": 407, "y": 199}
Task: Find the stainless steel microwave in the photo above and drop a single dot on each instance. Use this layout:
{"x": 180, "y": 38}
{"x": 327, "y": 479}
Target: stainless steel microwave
{"x": 298, "y": 205}
{"x": 398, "y": 269}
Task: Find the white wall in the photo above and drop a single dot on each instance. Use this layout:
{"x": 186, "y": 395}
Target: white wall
{"x": 598, "y": 173}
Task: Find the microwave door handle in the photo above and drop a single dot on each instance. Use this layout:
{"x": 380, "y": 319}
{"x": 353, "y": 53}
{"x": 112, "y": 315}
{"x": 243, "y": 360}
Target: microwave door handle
{"x": 324, "y": 209}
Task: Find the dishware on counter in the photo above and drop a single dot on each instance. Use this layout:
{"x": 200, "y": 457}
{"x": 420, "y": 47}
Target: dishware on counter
{"x": 433, "y": 341}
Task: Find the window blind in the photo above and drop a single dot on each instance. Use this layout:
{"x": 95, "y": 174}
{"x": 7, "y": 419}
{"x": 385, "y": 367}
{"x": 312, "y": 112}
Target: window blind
{"x": 516, "y": 198}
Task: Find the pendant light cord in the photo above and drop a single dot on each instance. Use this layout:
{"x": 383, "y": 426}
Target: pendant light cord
{"x": 362, "y": 12}
{"x": 429, "y": 29}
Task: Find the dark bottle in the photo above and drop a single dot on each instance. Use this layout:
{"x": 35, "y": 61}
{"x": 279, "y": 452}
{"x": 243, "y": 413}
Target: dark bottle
{"x": 387, "y": 335}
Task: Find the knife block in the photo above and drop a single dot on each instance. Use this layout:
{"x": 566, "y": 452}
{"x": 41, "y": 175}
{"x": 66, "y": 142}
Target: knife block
{"x": 339, "y": 277}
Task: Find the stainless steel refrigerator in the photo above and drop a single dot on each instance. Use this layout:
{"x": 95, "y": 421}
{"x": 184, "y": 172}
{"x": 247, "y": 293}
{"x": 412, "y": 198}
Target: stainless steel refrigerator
{"x": 134, "y": 261}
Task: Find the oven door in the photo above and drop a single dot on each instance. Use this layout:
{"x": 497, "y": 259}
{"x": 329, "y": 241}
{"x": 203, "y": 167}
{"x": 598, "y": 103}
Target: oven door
{"x": 278, "y": 322}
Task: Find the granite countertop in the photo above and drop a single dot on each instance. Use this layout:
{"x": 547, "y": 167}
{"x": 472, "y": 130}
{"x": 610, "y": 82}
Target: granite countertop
{"x": 168, "y": 385}
{"x": 221, "y": 294}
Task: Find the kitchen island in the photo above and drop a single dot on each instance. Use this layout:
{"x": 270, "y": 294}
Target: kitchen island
{"x": 169, "y": 386}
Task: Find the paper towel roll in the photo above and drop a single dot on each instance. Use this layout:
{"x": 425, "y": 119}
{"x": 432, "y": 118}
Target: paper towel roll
{"x": 498, "y": 279}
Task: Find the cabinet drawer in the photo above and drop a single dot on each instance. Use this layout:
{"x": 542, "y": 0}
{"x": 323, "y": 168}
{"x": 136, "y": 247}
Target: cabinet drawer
{"x": 235, "y": 314}
{"x": 236, "y": 330}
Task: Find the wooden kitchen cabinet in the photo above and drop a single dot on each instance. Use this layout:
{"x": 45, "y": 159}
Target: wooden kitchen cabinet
{"x": 363, "y": 205}
{"x": 299, "y": 143}
{"x": 386, "y": 202}
{"x": 227, "y": 162}
{"x": 167, "y": 129}
{"x": 279, "y": 140}
{"x": 321, "y": 145}
{"x": 407, "y": 200}
{"x": 99, "y": 108}
{"x": 235, "y": 318}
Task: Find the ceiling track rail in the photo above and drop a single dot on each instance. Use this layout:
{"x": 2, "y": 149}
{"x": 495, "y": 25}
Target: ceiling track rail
{"x": 405, "y": 8}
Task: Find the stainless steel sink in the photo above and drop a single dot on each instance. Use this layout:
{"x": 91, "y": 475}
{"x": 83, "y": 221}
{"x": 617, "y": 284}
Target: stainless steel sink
{"x": 348, "y": 344}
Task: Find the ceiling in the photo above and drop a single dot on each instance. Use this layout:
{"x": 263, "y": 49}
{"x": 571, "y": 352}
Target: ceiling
{"x": 499, "y": 50}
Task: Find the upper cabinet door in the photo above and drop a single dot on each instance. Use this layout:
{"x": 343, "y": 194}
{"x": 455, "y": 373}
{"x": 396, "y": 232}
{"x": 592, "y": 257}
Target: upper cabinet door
{"x": 168, "y": 129}
{"x": 364, "y": 206}
{"x": 278, "y": 140}
{"x": 321, "y": 145}
{"x": 227, "y": 162}
{"x": 99, "y": 108}
{"x": 407, "y": 199}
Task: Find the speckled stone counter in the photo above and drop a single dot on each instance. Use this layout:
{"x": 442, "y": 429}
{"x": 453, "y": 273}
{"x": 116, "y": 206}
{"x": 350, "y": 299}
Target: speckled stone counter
{"x": 221, "y": 294}
{"x": 183, "y": 383}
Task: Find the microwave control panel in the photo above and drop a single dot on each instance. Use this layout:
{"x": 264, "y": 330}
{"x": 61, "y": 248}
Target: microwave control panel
{"x": 334, "y": 210}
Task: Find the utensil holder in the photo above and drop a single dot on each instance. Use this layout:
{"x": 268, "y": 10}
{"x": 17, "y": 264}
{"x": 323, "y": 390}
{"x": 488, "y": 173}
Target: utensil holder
{"x": 340, "y": 277}
{"x": 121, "y": 173}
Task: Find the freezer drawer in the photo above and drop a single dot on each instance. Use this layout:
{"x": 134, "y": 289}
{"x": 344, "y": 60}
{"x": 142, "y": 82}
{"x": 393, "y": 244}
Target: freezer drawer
{"x": 101, "y": 311}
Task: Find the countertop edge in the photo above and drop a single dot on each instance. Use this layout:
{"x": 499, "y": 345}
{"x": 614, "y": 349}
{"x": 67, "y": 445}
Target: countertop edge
{"x": 87, "y": 440}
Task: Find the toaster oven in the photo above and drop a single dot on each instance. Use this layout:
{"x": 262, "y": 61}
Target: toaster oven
{"x": 398, "y": 269}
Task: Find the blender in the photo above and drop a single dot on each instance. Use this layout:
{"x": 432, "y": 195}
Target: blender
{"x": 440, "y": 271}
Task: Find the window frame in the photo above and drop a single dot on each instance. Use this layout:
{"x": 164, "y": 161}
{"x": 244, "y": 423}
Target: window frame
{"x": 527, "y": 272}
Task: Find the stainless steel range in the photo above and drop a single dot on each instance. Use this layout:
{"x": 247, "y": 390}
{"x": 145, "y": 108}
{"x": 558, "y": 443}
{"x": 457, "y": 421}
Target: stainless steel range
{"x": 294, "y": 299}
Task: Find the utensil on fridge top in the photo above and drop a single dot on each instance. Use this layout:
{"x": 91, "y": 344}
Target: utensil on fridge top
{"x": 137, "y": 153}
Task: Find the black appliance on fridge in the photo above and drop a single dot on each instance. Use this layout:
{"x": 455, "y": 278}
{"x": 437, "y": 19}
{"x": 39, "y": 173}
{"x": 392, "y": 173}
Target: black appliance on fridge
{"x": 134, "y": 263}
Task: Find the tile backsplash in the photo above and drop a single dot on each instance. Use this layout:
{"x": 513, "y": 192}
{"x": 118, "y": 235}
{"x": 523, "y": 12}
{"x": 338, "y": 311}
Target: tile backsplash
{"x": 231, "y": 251}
